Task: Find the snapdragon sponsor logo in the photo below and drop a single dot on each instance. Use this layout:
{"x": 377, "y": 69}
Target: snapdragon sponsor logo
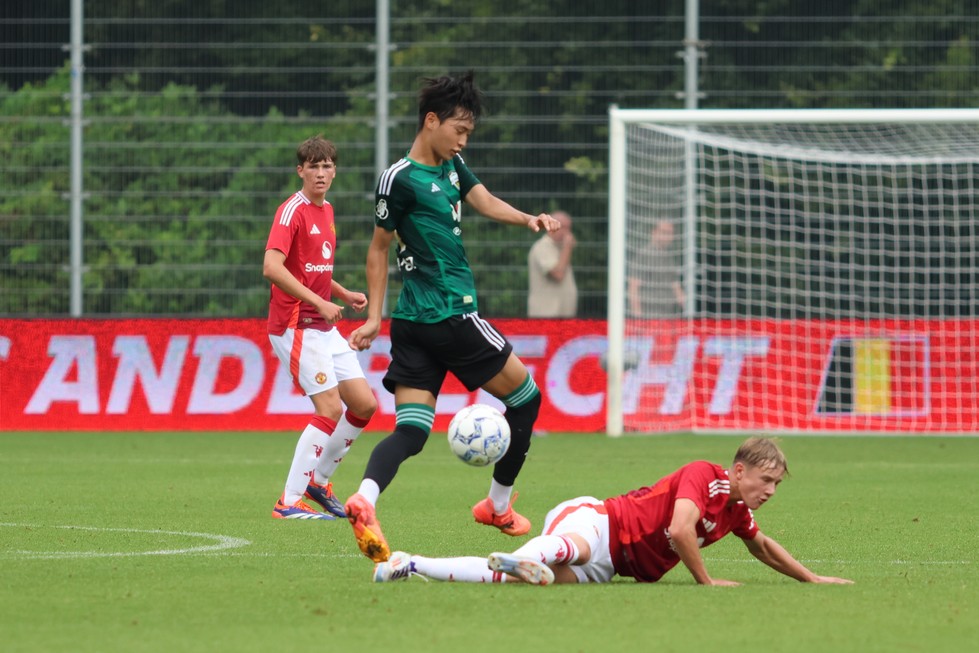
{"x": 326, "y": 267}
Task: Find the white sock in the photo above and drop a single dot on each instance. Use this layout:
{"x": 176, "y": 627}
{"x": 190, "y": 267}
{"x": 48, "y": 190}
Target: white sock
{"x": 468, "y": 569}
{"x": 336, "y": 448}
{"x": 312, "y": 443}
{"x": 500, "y": 496}
{"x": 550, "y": 549}
{"x": 370, "y": 490}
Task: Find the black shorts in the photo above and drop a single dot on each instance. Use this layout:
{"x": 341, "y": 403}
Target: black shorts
{"x": 466, "y": 345}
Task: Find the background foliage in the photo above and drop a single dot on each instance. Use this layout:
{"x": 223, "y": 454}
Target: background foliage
{"x": 194, "y": 110}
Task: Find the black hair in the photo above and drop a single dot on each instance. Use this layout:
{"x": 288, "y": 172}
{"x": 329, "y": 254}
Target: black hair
{"x": 445, "y": 95}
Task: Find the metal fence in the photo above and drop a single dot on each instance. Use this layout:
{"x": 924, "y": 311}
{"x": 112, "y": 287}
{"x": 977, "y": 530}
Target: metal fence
{"x": 192, "y": 112}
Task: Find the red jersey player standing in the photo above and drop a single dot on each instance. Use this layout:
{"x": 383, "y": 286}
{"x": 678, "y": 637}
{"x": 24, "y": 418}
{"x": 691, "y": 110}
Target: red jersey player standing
{"x": 642, "y": 534}
{"x": 299, "y": 259}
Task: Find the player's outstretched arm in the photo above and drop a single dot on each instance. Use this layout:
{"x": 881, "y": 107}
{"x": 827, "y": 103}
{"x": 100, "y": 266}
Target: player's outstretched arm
{"x": 496, "y": 209}
{"x": 775, "y": 556}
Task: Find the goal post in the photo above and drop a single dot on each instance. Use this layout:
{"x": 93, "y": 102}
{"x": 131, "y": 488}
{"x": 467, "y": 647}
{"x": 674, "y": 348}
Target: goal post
{"x": 793, "y": 270}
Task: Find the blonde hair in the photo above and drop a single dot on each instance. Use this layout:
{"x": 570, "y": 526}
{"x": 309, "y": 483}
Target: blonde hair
{"x": 761, "y": 452}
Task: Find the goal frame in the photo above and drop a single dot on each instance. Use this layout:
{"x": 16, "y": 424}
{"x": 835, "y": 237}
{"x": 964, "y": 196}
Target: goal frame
{"x": 617, "y": 202}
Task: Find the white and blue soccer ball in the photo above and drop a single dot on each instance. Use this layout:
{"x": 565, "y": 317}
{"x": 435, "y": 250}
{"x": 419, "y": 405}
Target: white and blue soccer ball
{"x": 479, "y": 435}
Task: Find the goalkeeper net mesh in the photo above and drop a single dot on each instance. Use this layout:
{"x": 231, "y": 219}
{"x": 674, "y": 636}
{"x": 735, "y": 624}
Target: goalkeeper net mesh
{"x": 818, "y": 276}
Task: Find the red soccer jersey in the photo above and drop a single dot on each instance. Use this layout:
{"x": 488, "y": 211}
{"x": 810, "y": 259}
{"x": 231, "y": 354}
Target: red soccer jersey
{"x": 639, "y": 521}
{"x": 306, "y": 234}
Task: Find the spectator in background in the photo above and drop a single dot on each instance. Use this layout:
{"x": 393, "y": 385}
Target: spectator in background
{"x": 654, "y": 288}
{"x": 553, "y": 292}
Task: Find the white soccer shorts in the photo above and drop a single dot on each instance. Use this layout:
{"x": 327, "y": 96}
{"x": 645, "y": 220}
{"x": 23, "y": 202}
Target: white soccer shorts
{"x": 587, "y": 518}
{"x": 317, "y": 360}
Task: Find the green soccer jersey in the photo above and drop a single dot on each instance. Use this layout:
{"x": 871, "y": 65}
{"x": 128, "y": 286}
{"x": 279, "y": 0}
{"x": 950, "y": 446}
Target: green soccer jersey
{"x": 423, "y": 205}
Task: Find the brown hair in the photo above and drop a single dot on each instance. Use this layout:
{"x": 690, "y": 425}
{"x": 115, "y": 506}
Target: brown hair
{"x": 316, "y": 149}
{"x": 761, "y": 452}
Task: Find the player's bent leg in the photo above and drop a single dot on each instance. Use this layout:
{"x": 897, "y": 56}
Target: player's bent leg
{"x": 463, "y": 569}
{"x": 414, "y": 417}
{"x": 361, "y": 404}
{"x": 406, "y": 441}
{"x": 515, "y": 387}
{"x": 348, "y": 429}
{"x": 554, "y": 549}
{"x": 522, "y": 398}
{"x": 313, "y": 476}
{"x": 314, "y": 440}
{"x": 564, "y": 575}
{"x": 413, "y": 423}
{"x": 579, "y": 524}
{"x": 358, "y": 397}
{"x": 521, "y": 418}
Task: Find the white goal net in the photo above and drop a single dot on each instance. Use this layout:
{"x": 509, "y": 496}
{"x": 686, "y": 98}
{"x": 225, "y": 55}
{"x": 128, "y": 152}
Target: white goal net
{"x": 812, "y": 271}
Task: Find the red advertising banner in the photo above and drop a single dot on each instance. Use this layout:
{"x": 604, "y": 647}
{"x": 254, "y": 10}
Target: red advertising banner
{"x": 752, "y": 375}
{"x": 165, "y": 375}
{"x": 882, "y": 376}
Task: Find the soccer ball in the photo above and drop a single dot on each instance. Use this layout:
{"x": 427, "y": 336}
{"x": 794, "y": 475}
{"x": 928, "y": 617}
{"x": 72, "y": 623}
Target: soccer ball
{"x": 479, "y": 435}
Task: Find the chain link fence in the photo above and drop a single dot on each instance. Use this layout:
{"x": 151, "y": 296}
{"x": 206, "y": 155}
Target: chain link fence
{"x": 192, "y": 112}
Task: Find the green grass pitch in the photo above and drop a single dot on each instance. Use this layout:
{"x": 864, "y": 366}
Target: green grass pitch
{"x": 165, "y": 542}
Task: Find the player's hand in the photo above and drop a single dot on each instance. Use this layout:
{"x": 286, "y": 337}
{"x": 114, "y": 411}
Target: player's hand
{"x": 544, "y": 221}
{"x": 832, "y": 580}
{"x": 363, "y": 336}
{"x": 357, "y": 301}
{"x": 330, "y": 312}
{"x": 720, "y": 582}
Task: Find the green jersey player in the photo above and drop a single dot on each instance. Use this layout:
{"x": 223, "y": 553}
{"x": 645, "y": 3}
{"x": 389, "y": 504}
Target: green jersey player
{"x": 436, "y": 327}
{"x": 422, "y": 206}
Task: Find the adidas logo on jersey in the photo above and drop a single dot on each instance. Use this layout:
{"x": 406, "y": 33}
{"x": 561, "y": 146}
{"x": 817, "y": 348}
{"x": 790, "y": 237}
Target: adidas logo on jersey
{"x": 314, "y": 231}
{"x": 435, "y": 188}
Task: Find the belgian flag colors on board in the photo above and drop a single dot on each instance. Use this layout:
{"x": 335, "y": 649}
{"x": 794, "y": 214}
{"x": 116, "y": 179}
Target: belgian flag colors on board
{"x": 876, "y": 376}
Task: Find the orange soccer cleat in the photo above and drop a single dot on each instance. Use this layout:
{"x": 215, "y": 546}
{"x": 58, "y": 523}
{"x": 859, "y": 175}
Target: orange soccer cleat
{"x": 510, "y": 522}
{"x": 298, "y": 510}
{"x": 361, "y": 515}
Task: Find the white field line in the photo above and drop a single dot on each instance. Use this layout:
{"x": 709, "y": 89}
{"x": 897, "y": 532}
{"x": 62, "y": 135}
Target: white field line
{"x": 225, "y": 545}
{"x": 218, "y": 543}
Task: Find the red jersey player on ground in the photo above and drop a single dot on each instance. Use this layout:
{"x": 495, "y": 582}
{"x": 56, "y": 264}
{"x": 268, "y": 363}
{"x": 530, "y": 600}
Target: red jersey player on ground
{"x": 642, "y": 534}
{"x": 299, "y": 259}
